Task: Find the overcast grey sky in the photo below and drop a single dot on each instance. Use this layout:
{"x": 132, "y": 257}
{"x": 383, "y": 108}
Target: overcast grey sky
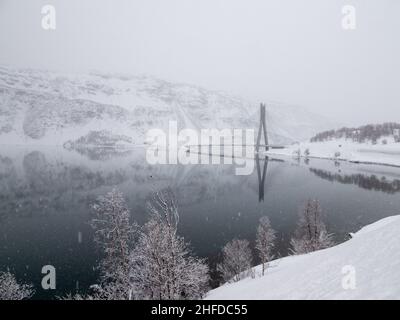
{"x": 285, "y": 50}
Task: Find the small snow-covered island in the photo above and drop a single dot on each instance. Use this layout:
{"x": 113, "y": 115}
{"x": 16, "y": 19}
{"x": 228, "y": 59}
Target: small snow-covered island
{"x": 364, "y": 267}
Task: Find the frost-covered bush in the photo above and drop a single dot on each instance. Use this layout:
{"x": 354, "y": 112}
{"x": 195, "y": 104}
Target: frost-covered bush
{"x": 163, "y": 267}
{"x": 311, "y": 233}
{"x": 237, "y": 260}
{"x": 157, "y": 265}
{"x": 113, "y": 234}
{"x": 265, "y": 241}
{"x": 10, "y": 289}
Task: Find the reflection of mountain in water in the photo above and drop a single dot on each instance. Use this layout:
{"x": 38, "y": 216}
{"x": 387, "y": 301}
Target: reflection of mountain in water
{"x": 101, "y": 145}
{"x": 41, "y": 186}
{"x": 60, "y": 181}
{"x": 366, "y": 182}
{"x": 40, "y": 182}
{"x": 102, "y": 153}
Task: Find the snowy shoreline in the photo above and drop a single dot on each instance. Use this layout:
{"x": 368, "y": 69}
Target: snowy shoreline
{"x": 365, "y": 267}
{"x": 335, "y": 159}
{"x": 343, "y": 150}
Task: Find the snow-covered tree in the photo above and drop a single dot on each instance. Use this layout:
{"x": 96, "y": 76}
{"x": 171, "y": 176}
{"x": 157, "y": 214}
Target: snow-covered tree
{"x": 369, "y": 132}
{"x": 114, "y": 234}
{"x": 10, "y": 289}
{"x": 163, "y": 205}
{"x": 265, "y": 241}
{"x": 158, "y": 266}
{"x": 77, "y": 296}
{"x": 311, "y": 233}
{"x": 237, "y": 260}
{"x": 162, "y": 265}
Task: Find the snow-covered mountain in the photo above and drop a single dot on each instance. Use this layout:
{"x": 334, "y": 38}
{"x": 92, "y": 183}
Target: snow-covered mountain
{"x": 40, "y": 107}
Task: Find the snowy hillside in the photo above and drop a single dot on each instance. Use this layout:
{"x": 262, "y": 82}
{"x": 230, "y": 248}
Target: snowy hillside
{"x": 372, "y": 256}
{"x": 371, "y": 144}
{"x": 387, "y": 153}
{"x": 38, "y": 107}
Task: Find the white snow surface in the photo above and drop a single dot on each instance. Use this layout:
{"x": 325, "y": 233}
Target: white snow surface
{"x": 341, "y": 149}
{"x": 373, "y": 252}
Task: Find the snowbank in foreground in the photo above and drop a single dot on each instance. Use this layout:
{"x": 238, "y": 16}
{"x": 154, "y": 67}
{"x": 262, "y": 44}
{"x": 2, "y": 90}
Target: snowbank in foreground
{"x": 386, "y": 154}
{"x": 373, "y": 252}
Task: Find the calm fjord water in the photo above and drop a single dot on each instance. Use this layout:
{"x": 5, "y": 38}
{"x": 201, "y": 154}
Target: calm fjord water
{"x": 45, "y": 197}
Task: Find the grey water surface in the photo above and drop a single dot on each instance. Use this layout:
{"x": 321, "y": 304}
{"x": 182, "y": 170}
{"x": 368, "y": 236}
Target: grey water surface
{"x": 45, "y": 197}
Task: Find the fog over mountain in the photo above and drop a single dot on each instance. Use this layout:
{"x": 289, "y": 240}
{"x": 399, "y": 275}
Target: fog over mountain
{"x": 295, "y": 52}
{"x": 40, "y": 107}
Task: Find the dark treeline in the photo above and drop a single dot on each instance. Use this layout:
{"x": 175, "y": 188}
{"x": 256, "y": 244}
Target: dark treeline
{"x": 369, "y": 183}
{"x": 365, "y": 133}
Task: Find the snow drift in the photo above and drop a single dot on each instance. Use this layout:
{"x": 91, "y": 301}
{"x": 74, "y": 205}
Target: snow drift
{"x": 373, "y": 254}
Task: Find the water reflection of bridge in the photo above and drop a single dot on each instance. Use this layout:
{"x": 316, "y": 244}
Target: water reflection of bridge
{"x": 260, "y": 160}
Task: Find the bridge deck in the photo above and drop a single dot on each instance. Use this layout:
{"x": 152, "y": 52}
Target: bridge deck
{"x": 272, "y": 146}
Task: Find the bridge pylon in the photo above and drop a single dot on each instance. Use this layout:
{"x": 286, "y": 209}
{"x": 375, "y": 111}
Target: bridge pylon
{"x": 263, "y": 128}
